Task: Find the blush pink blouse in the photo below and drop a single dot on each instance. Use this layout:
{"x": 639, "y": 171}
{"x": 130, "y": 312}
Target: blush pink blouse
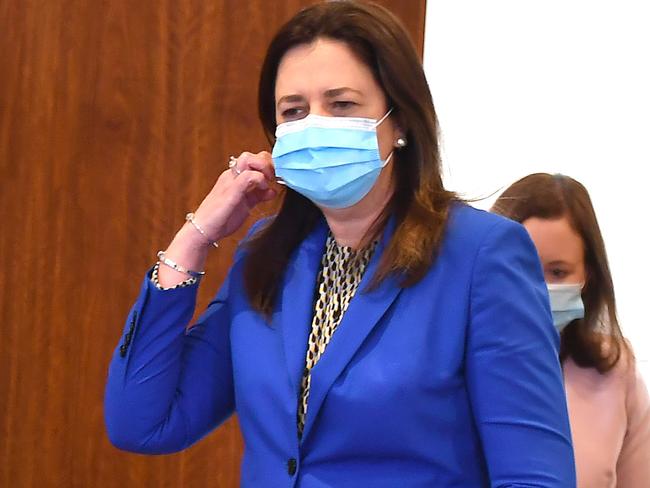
{"x": 610, "y": 424}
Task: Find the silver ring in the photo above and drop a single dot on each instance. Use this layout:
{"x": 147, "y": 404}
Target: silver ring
{"x": 232, "y": 164}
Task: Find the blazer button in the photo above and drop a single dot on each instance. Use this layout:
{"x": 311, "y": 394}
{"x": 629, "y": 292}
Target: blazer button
{"x": 291, "y": 466}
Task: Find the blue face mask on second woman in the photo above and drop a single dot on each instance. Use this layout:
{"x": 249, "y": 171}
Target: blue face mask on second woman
{"x": 566, "y": 303}
{"x": 333, "y": 161}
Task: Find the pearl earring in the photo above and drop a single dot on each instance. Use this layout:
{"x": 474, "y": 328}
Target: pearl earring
{"x": 400, "y": 142}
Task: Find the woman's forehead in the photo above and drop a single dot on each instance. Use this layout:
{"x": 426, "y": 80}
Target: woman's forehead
{"x": 320, "y": 66}
{"x": 555, "y": 239}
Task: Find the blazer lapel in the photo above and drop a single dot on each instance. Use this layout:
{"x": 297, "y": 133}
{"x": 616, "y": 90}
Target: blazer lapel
{"x": 364, "y": 312}
{"x": 297, "y": 305}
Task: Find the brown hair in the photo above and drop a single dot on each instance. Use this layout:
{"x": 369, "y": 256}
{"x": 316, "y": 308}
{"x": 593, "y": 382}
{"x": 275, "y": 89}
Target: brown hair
{"x": 548, "y": 196}
{"x": 419, "y": 204}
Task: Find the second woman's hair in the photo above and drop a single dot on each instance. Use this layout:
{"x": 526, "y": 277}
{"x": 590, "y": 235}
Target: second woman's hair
{"x": 595, "y": 341}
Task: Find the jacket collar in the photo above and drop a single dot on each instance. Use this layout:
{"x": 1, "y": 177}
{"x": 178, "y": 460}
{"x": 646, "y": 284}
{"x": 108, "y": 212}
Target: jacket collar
{"x": 297, "y": 308}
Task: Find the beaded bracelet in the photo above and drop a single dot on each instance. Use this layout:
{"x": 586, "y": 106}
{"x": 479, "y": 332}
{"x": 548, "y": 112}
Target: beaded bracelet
{"x": 177, "y": 267}
{"x": 190, "y": 218}
{"x": 156, "y": 281}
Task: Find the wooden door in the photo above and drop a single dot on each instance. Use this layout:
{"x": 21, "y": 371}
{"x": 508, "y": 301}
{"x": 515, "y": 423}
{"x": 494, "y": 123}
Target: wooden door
{"x": 116, "y": 117}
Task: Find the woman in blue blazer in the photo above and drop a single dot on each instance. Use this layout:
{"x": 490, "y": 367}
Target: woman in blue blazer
{"x": 376, "y": 332}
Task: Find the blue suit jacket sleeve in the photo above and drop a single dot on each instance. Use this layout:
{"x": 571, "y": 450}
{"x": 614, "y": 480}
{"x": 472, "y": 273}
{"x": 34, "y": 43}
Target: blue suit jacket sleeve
{"x": 168, "y": 387}
{"x": 513, "y": 372}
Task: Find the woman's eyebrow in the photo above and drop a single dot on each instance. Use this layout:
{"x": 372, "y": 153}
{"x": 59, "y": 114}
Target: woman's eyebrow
{"x": 331, "y": 93}
{"x": 290, "y": 99}
{"x": 335, "y": 92}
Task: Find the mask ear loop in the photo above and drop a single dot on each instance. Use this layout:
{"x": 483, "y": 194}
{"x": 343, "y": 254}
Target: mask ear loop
{"x": 390, "y": 156}
{"x": 387, "y": 160}
{"x": 378, "y": 123}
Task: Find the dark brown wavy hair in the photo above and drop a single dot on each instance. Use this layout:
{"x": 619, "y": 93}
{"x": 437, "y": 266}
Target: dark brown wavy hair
{"x": 548, "y": 196}
{"x": 420, "y": 204}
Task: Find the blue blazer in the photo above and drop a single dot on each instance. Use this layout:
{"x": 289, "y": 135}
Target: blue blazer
{"x": 454, "y": 381}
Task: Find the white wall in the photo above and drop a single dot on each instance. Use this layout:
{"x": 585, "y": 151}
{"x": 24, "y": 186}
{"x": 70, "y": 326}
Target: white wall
{"x": 553, "y": 86}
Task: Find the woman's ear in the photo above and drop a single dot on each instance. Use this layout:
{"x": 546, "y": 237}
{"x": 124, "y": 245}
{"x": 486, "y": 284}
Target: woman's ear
{"x": 399, "y": 133}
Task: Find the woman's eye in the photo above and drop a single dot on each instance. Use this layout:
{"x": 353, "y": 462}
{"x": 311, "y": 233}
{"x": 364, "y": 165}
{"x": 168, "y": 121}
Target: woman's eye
{"x": 558, "y": 273}
{"x": 292, "y": 113}
{"x": 343, "y": 104}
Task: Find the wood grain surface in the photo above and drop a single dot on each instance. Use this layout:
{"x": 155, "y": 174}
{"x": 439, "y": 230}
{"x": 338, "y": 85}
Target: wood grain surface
{"x": 116, "y": 117}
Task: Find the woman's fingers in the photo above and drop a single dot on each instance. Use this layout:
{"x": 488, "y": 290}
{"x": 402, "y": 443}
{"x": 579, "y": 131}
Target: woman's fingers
{"x": 251, "y": 180}
{"x": 237, "y": 191}
{"x": 261, "y": 162}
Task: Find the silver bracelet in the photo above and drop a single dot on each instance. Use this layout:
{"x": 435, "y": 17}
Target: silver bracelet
{"x": 177, "y": 267}
{"x": 190, "y": 218}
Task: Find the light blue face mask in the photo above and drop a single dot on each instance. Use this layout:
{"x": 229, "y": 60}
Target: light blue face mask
{"x": 333, "y": 161}
{"x": 566, "y": 303}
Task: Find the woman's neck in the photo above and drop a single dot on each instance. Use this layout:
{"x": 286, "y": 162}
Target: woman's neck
{"x": 350, "y": 225}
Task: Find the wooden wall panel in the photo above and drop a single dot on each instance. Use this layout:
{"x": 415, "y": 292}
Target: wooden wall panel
{"x": 116, "y": 117}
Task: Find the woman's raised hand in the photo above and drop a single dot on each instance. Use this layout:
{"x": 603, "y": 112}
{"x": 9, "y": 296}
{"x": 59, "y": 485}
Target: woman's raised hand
{"x": 237, "y": 191}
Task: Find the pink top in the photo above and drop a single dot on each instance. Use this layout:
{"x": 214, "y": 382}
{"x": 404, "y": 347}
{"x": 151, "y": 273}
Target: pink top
{"x": 610, "y": 423}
